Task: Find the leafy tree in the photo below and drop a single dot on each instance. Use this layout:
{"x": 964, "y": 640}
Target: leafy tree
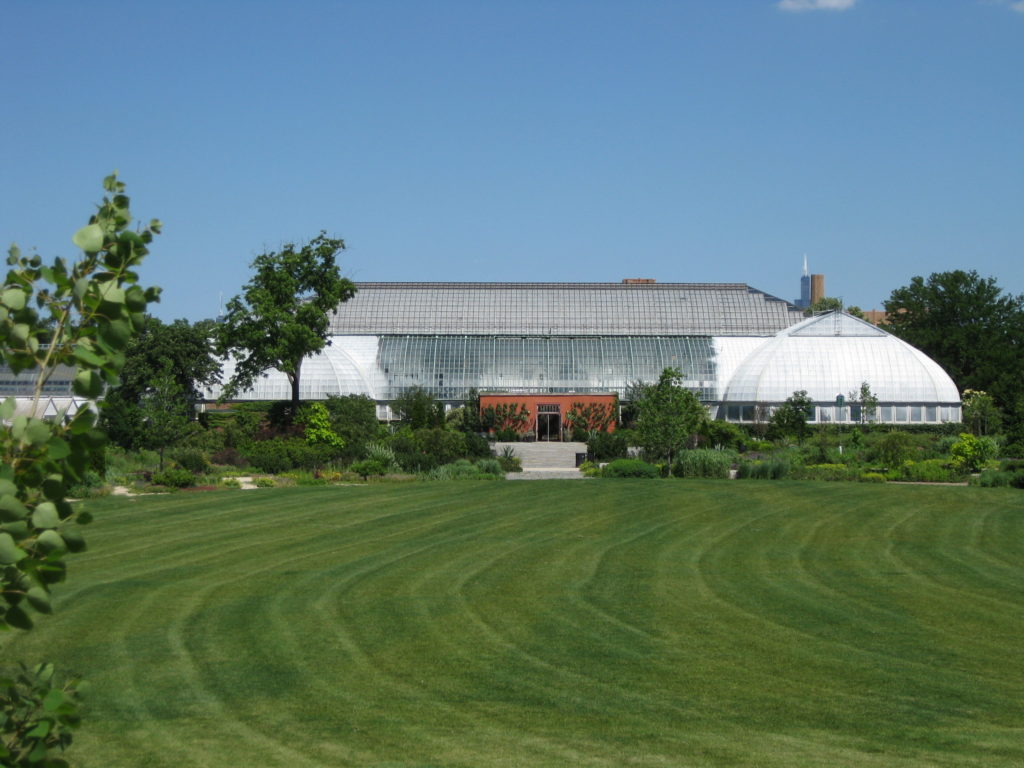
{"x": 970, "y": 453}
{"x": 83, "y": 315}
{"x": 667, "y": 415}
{"x": 418, "y": 409}
{"x": 180, "y": 350}
{"x": 354, "y": 419}
{"x": 824, "y": 304}
{"x": 894, "y": 448}
{"x": 866, "y": 399}
{"x": 969, "y": 326}
{"x": 790, "y": 418}
{"x": 316, "y": 422}
{"x": 163, "y": 413}
{"x": 980, "y": 412}
{"x": 282, "y": 315}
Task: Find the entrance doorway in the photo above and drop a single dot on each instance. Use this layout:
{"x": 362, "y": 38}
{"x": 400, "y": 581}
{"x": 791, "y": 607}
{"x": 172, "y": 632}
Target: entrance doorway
{"x": 549, "y": 423}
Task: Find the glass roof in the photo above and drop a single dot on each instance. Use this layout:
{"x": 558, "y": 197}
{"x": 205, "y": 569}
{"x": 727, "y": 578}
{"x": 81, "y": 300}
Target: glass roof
{"x": 563, "y": 309}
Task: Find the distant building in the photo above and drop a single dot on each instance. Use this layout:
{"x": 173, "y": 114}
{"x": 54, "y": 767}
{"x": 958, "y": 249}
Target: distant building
{"x": 742, "y": 351}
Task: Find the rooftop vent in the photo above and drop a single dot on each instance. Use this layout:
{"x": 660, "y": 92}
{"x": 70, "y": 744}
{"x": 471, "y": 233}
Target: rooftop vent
{"x": 638, "y": 280}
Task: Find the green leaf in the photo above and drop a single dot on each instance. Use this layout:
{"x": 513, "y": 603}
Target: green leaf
{"x": 13, "y": 298}
{"x": 45, "y": 515}
{"x": 88, "y": 384}
{"x": 7, "y": 408}
{"x": 10, "y": 553}
{"x": 116, "y": 334}
{"x": 50, "y": 541}
{"x": 87, "y": 356}
{"x": 37, "y": 432}
{"x": 57, "y": 448}
{"x": 54, "y": 699}
{"x": 40, "y": 731}
{"x": 89, "y": 238}
{"x": 39, "y": 599}
{"x": 74, "y": 539}
{"x": 7, "y": 488}
{"x": 16, "y": 617}
{"x": 18, "y": 529}
{"x": 11, "y": 508}
{"x": 84, "y": 518}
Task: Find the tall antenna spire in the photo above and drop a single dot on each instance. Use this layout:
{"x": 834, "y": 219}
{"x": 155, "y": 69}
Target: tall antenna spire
{"x": 805, "y": 265}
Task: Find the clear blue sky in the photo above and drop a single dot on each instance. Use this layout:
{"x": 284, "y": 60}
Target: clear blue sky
{"x": 710, "y": 141}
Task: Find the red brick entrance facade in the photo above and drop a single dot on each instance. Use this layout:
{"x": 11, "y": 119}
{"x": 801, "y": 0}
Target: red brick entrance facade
{"x": 549, "y": 417}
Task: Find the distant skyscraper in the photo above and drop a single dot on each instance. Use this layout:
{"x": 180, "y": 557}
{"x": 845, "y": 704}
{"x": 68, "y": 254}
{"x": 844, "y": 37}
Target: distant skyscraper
{"x": 805, "y": 288}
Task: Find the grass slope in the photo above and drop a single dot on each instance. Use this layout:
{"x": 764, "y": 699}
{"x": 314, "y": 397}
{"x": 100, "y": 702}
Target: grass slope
{"x": 605, "y": 623}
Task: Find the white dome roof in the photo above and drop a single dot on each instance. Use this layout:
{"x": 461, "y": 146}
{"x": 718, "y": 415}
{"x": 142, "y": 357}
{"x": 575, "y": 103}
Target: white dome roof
{"x": 832, "y": 354}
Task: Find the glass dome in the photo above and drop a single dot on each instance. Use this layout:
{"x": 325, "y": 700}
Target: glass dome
{"x": 833, "y": 354}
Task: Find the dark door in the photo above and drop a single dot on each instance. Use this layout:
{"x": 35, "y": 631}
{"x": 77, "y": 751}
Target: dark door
{"x": 549, "y": 426}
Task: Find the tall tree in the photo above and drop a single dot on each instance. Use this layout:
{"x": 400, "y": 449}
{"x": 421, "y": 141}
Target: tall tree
{"x": 179, "y": 350}
{"x": 667, "y": 415}
{"x": 282, "y": 315}
{"x": 969, "y": 326}
{"x": 790, "y": 418}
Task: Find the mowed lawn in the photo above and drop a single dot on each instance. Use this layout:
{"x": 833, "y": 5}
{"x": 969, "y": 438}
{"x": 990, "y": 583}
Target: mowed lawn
{"x": 554, "y": 623}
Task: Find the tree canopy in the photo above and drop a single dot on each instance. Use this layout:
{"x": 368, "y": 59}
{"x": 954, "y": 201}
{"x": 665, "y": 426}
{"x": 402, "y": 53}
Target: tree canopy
{"x": 667, "y": 415}
{"x": 968, "y": 325}
{"x": 181, "y": 352}
{"x": 283, "y": 312}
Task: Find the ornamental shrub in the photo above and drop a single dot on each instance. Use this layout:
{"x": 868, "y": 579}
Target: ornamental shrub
{"x": 369, "y": 467}
{"x": 993, "y": 478}
{"x": 193, "y": 460}
{"x": 773, "y": 469}
{"x": 605, "y": 446}
{"x": 970, "y": 452}
{"x": 176, "y": 477}
{"x": 631, "y": 468}
{"x": 833, "y": 472}
{"x": 929, "y": 471}
{"x": 703, "y": 463}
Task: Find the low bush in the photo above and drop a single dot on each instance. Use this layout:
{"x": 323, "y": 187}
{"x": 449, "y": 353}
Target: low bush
{"x": 631, "y": 468}
{"x": 490, "y": 466}
{"x": 228, "y": 457}
{"x": 477, "y": 446}
{"x": 281, "y": 455}
{"x": 264, "y": 482}
{"x": 929, "y": 471}
{"x": 993, "y": 478}
{"x": 772, "y": 469}
{"x": 175, "y": 477}
{"x": 91, "y": 486}
{"x": 605, "y": 446}
{"x": 832, "y": 472}
{"x": 192, "y": 459}
{"x": 231, "y": 482}
{"x": 509, "y": 461}
{"x": 872, "y": 477}
{"x": 703, "y": 463}
{"x": 369, "y": 468}
{"x": 590, "y": 469}
{"x": 463, "y": 469}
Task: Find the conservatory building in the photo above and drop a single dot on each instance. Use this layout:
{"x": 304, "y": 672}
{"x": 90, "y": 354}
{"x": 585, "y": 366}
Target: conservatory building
{"x": 742, "y": 351}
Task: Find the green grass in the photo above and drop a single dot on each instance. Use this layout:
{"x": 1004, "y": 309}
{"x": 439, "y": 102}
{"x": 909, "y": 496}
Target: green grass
{"x": 600, "y": 623}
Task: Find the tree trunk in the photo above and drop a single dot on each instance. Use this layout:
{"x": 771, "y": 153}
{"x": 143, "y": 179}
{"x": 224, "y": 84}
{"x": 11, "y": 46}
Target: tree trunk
{"x": 294, "y": 379}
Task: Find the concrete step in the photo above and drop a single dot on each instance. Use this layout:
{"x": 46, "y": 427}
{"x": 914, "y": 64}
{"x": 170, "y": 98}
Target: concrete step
{"x": 544, "y": 455}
